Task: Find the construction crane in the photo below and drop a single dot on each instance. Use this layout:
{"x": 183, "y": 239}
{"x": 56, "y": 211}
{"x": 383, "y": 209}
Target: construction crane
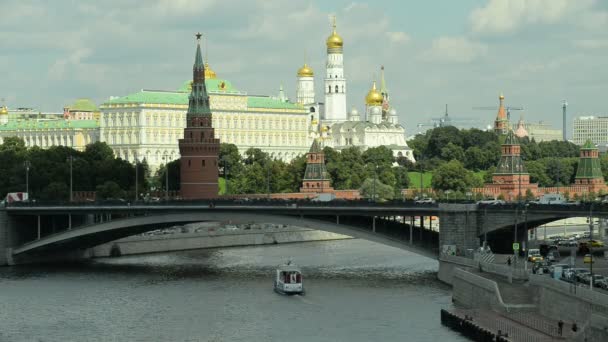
{"x": 507, "y": 108}
{"x": 446, "y": 120}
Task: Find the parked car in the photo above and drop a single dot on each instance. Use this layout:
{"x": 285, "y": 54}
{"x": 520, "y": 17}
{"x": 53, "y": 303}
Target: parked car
{"x": 579, "y": 273}
{"x": 588, "y": 259}
{"x": 425, "y": 201}
{"x": 596, "y": 243}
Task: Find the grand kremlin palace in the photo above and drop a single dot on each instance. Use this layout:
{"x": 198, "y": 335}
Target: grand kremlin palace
{"x": 76, "y": 127}
{"x": 148, "y": 124}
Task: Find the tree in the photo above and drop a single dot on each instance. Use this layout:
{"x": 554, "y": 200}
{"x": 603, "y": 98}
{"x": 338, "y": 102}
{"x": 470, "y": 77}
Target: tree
{"x": 402, "y": 178}
{"x": 382, "y": 191}
{"x": 98, "y": 151}
{"x": 451, "y": 151}
{"x": 14, "y": 144}
{"x": 109, "y": 190}
{"x": 55, "y": 191}
{"x": 537, "y": 172}
{"x": 453, "y": 176}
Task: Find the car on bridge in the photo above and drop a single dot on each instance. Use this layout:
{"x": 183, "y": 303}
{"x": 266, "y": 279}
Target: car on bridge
{"x": 492, "y": 202}
{"x": 425, "y": 201}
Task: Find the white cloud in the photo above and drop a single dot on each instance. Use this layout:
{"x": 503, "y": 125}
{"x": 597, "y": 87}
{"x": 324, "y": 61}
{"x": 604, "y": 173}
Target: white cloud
{"x": 502, "y": 16}
{"x": 591, "y": 43}
{"x": 398, "y": 37}
{"x": 454, "y": 50}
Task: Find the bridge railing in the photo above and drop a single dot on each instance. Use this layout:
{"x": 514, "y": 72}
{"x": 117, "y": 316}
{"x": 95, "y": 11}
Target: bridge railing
{"x": 220, "y": 201}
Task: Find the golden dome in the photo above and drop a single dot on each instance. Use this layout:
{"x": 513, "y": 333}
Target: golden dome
{"x": 334, "y": 41}
{"x": 374, "y": 98}
{"x": 209, "y": 74}
{"x": 3, "y": 111}
{"x": 305, "y": 71}
{"x": 501, "y": 97}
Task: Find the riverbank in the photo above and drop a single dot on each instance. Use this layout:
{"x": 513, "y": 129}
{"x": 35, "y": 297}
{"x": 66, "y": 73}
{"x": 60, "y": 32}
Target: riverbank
{"x": 210, "y": 235}
{"x": 531, "y": 304}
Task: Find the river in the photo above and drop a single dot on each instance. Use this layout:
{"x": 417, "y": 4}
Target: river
{"x": 356, "y": 291}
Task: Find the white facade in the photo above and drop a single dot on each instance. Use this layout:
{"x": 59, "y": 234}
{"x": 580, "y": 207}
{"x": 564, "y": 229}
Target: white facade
{"x": 335, "y": 88}
{"x": 305, "y": 90}
{"x": 590, "y": 127}
{"x": 137, "y": 126}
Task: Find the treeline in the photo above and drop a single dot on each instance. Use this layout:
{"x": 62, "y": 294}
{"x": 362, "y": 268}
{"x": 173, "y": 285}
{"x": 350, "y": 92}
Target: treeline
{"x": 448, "y": 150}
{"x": 48, "y": 178}
{"x": 257, "y": 173}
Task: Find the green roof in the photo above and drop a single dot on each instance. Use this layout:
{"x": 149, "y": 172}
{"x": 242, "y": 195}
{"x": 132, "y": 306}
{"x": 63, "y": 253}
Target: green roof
{"x": 156, "y": 97}
{"x": 511, "y": 139}
{"x": 269, "y": 102}
{"x": 589, "y": 145}
{"x": 315, "y": 147}
{"x": 48, "y": 124}
{"x": 589, "y": 168}
{"x": 83, "y": 105}
{"x": 214, "y": 85}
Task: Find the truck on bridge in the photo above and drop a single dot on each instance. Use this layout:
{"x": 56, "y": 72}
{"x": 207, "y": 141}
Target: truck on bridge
{"x": 12, "y": 197}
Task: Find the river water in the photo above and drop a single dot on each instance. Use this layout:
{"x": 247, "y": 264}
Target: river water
{"x": 356, "y": 291}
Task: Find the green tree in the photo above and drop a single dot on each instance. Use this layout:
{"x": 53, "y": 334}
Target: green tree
{"x": 451, "y": 152}
{"x": 109, "y": 190}
{"x": 56, "y": 191}
{"x": 381, "y": 191}
{"x": 453, "y": 176}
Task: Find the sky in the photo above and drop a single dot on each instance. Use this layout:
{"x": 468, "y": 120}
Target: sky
{"x": 462, "y": 53}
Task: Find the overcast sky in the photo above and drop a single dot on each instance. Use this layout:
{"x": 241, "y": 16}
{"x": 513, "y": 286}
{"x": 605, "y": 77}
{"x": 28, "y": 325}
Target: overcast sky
{"x": 463, "y": 53}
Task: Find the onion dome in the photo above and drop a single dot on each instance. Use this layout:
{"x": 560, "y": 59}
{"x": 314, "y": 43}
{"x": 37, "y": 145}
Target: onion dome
{"x": 376, "y": 111}
{"x": 3, "y": 111}
{"x": 209, "y": 74}
{"x": 392, "y": 112}
{"x": 305, "y": 71}
{"x": 354, "y": 111}
{"x": 374, "y": 98}
{"x": 334, "y": 41}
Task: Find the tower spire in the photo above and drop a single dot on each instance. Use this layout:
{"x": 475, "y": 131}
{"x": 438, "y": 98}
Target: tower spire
{"x": 198, "y": 104}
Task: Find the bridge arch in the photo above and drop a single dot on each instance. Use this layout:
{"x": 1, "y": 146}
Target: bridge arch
{"x": 88, "y": 236}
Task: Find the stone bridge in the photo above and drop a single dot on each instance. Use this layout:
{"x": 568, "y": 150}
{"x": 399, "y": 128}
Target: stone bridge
{"x": 34, "y": 232}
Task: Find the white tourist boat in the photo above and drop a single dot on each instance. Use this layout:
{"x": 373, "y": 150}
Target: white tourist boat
{"x": 288, "y": 279}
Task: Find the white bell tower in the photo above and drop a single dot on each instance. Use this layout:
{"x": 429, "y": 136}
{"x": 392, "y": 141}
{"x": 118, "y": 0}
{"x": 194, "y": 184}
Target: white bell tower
{"x": 335, "y": 83}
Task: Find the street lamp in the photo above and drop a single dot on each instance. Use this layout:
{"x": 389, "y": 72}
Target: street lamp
{"x": 374, "y": 185}
{"x": 166, "y": 160}
{"x": 589, "y": 244}
{"x": 268, "y": 181}
{"x": 27, "y": 165}
{"x": 447, "y": 195}
{"x": 136, "y": 176}
{"x": 71, "y": 161}
{"x": 469, "y": 194}
{"x": 225, "y": 160}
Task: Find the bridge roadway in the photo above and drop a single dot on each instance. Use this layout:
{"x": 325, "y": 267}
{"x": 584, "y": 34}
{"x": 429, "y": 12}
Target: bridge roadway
{"x": 26, "y": 232}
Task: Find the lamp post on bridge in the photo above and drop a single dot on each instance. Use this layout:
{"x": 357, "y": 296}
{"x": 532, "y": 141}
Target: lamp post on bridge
{"x": 71, "y": 161}
{"x": 590, "y": 246}
{"x": 27, "y": 165}
{"x": 136, "y": 177}
{"x": 166, "y": 160}
{"x": 375, "y": 179}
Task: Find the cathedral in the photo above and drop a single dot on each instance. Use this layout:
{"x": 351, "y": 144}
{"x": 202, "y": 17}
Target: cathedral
{"x": 340, "y": 129}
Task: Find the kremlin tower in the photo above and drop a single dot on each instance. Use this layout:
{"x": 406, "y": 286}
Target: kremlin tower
{"x": 501, "y": 124}
{"x": 335, "y": 83}
{"x": 199, "y": 148}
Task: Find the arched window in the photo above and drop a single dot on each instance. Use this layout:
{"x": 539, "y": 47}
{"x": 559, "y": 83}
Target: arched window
{"x": 342, "y": 88}
{"x": 189, "y": 162}
{"x": 203, "y": 163}
{"x": 329, "y": 89}
{"x": 312, "y": 109}
{"x": 336, "y": 88}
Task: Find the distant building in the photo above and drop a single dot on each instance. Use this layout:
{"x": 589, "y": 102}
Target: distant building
{"x": 594, "y": 128}
{"x": 47, "y": 129}
{"x": 539, "y": 131}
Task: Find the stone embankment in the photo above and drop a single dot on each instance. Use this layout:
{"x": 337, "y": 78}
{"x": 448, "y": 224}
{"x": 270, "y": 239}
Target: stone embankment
{"x": 209, "y": 235}
{"x": 525, "y": 306}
